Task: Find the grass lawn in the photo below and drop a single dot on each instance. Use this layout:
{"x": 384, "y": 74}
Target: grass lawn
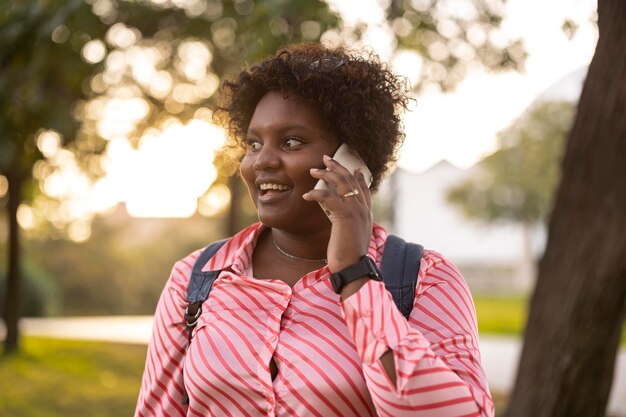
{"x": 501, "y": 315}
{"x": 63, "y": 378}
{"x": 507, "y": 316}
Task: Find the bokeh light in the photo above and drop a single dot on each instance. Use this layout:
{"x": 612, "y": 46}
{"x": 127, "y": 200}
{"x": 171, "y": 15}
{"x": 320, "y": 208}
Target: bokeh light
{"x": 94, "y": 51}
{"x": 4, "y": 186}
{"x": 48, "y": 142}
{"x": 165, "y": 175}
{"x": 214, "y": 202}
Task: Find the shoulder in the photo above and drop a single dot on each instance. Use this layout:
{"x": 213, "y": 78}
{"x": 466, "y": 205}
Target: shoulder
{"x": 437, "y": 270}
{"x": 181, "y": 272}
{"x": 222, "y": 256}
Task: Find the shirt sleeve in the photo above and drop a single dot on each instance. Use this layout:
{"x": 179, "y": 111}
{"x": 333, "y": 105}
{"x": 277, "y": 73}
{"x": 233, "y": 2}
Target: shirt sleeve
{"x": 162, "y": 388}
{"x": 435, "y": 352}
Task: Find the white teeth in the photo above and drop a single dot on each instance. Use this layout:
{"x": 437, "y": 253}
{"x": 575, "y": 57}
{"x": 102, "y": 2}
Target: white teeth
{"x": 273, "y": 187}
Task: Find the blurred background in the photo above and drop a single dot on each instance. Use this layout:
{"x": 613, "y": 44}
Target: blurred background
{"x": 110, "y": 167}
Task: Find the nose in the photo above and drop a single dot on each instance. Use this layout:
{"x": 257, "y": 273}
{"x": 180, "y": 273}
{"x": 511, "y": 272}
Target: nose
{"x": 267, "y": 158}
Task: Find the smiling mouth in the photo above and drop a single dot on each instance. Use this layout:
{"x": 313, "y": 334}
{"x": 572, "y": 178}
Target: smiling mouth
{"x": 270, "y": 189}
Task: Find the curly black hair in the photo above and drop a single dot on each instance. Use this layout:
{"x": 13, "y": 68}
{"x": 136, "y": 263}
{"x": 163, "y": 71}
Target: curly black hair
{"x": 359, "y": 98}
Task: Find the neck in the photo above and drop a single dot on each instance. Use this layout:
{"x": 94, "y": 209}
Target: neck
{"x": 310, "y": 246}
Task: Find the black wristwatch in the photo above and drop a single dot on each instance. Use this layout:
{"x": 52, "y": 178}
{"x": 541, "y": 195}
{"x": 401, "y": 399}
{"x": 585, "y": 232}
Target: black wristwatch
{"x": 364, "y": 268}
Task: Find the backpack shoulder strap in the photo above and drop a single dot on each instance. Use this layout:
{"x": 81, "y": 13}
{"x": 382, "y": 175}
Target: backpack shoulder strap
{"x": 399, "y": 268}
{"x": 200, "y": 283}
{"x": 198, "y": 289}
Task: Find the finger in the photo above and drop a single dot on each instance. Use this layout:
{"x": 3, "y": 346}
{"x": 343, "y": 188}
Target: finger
{"x": 329, "y": 200}
{"x": 341, "y": 183}
{"x": 347, "y": 175}
{"x": 332, "y": 201}
{"x": 334, "y": 165}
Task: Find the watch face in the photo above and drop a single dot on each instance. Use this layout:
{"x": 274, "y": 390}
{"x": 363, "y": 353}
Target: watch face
{"x": 374, "y": 273}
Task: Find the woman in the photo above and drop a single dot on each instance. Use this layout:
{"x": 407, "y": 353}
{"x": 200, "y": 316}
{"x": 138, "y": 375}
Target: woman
{"x": 275, "y": 337}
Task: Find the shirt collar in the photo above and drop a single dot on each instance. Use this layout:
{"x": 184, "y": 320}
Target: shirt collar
{"x": 237, "y": 251}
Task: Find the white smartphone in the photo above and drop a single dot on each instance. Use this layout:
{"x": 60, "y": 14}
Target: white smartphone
{"x": 348, "y": 157}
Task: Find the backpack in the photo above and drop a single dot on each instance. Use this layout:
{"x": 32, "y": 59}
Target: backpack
{"x": 398, "y": 269}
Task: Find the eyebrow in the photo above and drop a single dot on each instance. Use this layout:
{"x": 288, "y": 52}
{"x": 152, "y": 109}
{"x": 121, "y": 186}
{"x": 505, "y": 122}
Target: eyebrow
{"x": 288, "y": 128}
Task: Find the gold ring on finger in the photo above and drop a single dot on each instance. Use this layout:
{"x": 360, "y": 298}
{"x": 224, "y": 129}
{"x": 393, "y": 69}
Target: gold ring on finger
{"x": 350, "y": 193}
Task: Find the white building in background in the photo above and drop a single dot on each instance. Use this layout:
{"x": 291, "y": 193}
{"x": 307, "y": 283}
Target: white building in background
{"x": 493, "y": 258}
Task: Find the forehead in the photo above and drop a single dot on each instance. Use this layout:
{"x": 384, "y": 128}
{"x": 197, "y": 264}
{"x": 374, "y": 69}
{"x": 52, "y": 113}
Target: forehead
{"x": 274, "y": 109}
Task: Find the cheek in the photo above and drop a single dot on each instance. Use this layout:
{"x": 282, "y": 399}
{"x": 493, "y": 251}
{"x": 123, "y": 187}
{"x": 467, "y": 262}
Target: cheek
{"x": 301, "y": 170}
{"x": 246, "y": 170}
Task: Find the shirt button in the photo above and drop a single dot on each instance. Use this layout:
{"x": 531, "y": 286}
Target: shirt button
{"x": 273, "y": 338}
{"x": 367, "y": 313}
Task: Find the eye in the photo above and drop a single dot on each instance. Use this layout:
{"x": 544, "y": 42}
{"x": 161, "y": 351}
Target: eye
{"x": 253, "y": 145}
{"x": 292, "y": 142}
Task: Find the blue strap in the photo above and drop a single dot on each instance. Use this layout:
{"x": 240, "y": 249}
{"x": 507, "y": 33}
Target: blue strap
{"x": 200, "y": 283}
{"x": 399, "y": 268}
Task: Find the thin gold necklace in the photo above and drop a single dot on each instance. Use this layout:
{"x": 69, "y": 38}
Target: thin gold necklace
{"x": 325, "y": 260}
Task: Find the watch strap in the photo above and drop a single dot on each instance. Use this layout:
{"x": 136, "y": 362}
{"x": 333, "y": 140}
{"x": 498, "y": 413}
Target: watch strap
{"x": 365, "y": 267}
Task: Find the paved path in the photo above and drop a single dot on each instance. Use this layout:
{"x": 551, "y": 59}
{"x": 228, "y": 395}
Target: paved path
{"x": 500, "y": 354}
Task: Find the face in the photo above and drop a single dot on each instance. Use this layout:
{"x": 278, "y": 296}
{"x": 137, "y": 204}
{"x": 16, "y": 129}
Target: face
{"x": 286, "y": 138}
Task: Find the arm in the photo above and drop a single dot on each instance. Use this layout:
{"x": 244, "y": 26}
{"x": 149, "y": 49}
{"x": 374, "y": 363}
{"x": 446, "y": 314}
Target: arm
{"x": 429, "y": 366}
{"x": 162, "y": 384}
{"x": 434, "y": 358}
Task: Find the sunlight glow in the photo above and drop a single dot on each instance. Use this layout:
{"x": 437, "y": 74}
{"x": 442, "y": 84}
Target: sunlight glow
{"x": 165, "y": 175}
{"x": 48, "y": 142}
{"x": 215, "y": 201}
{"x": 79, "y": 231}
{"x": 194, "y": 56}
{"x": 4, "y": 186}
{"x": 26, "y": 217}
{"x": 118, "y": 117}
{"x": 121, "y": 36}
{"x": 94, "y": 51}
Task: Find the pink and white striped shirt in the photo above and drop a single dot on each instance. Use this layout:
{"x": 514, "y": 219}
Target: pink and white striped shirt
{"x": 326, "y": 351}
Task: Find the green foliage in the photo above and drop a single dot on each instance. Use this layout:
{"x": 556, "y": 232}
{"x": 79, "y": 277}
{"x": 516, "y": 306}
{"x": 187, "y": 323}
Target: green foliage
{"x": 449, "y": 36}
{"x": 123, "y": 267}
{"x": 517, "y": 181}
{"x": 40, "y": 294}
{"x": 54, "y": 378}
{"x": 46, "y": 81}
{"x": 40, "y": 80}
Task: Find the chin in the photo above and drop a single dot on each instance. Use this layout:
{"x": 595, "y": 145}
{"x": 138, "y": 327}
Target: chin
{"x": 307, "y": 222}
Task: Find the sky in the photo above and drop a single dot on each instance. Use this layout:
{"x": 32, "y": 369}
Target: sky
{"x": 166, "y": 176}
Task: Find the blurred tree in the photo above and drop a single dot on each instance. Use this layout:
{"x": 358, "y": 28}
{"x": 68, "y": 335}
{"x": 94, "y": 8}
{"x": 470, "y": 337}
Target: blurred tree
{"x": 40, "y": 80}
{"x": 63, "y": 62}
{"x": 121, "y": 269}
{"x": 577, "y": 309}
{"x": 517, "y": 182}
{"x": 452, "y": 36}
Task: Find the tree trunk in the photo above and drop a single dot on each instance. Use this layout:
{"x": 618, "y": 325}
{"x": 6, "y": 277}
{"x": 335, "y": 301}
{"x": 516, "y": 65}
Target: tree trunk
{"x": 12, "y": 297}
{"x": 577, "y": 309}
